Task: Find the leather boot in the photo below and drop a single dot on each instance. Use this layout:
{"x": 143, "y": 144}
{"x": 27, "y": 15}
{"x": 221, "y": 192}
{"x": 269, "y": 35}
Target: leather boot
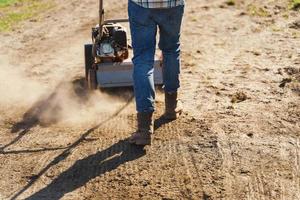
{"x": 144, "y": 130}
{"x": 173, "y": 106}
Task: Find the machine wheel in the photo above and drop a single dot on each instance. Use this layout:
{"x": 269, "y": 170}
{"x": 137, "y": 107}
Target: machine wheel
{"x": 92, "y": 79}
{"x": 89, "y": 59}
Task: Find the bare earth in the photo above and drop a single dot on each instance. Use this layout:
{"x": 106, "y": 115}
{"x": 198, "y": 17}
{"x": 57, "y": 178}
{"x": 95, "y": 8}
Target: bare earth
{"x": 238, "y": 138}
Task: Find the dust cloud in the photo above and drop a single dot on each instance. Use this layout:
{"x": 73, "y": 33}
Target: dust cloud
{"x": 15, "y": 88}
{"x": 69, "y": 103}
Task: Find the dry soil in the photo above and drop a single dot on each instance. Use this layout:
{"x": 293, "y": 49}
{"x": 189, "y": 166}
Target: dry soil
{"x": 237, "y": 139}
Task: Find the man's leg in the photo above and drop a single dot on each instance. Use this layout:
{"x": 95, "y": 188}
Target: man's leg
{"x": 169, "y": 21}
{"x": 143, "y": 34}
{"x": 170, "y": 27}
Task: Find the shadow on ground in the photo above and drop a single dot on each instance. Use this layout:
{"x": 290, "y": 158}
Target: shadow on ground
{"x": 89, "y": 168}
{"x": 119, "y": 153}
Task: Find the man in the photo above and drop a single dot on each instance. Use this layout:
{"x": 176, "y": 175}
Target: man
{"x": 146, "y": 17}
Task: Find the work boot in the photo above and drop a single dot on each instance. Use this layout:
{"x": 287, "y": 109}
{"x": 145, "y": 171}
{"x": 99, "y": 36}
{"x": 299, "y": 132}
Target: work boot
{"x": 173, "y": 106}
{"x": 145, "y": 128}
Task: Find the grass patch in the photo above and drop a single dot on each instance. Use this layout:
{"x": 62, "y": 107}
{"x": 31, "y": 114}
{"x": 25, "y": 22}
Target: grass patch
{"x": 15, "y": 11}
{"x": 276, "y": 29}
{"x": 295, "y": 5}
{"x": 4, "y": 3}
{"x": 257, "y": 11}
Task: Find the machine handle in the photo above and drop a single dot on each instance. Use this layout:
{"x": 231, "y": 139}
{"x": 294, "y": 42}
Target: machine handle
{"x": 116, "y": 21}
{"x": 101, "y": 17}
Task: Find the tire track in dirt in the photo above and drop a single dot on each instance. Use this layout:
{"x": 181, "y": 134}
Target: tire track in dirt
{"x": 297, "y": 168}
{"x": 247, "y": 73}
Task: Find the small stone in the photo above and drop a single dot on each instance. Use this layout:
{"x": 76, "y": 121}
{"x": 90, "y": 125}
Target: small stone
{"x": 239, "y": 97}
{"x": 230, "y": 107}
{"x": 195, "y": 148}
{"x": 145, "y": 183}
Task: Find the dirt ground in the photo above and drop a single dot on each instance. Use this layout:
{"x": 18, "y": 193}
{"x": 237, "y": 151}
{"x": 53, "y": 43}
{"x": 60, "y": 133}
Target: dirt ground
{"x": 238, "y": 138}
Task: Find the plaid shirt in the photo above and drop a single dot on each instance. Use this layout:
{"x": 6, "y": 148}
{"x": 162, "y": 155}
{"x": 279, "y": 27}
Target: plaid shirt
{"x": 159, "y": 3}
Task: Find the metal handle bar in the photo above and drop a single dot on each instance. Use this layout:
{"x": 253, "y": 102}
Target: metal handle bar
{"x": 116, "y": 21}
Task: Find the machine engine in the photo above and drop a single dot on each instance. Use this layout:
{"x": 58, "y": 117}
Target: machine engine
{"x": 111, "y": 45}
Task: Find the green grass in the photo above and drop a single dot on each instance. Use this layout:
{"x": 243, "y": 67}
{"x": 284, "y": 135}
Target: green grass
{"x": 4, "y": 3}
{"x": 12, "y": 12}
{"x": 295, "y": 4}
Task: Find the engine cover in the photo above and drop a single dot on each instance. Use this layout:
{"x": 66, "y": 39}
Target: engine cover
{"x": 112, "y": 46}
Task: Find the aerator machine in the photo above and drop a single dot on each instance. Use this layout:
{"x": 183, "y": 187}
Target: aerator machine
{"x": 108, "y": 59}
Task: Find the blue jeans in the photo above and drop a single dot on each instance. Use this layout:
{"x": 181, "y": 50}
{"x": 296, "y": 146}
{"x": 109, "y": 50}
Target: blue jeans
{"x": 144, "y": 23}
